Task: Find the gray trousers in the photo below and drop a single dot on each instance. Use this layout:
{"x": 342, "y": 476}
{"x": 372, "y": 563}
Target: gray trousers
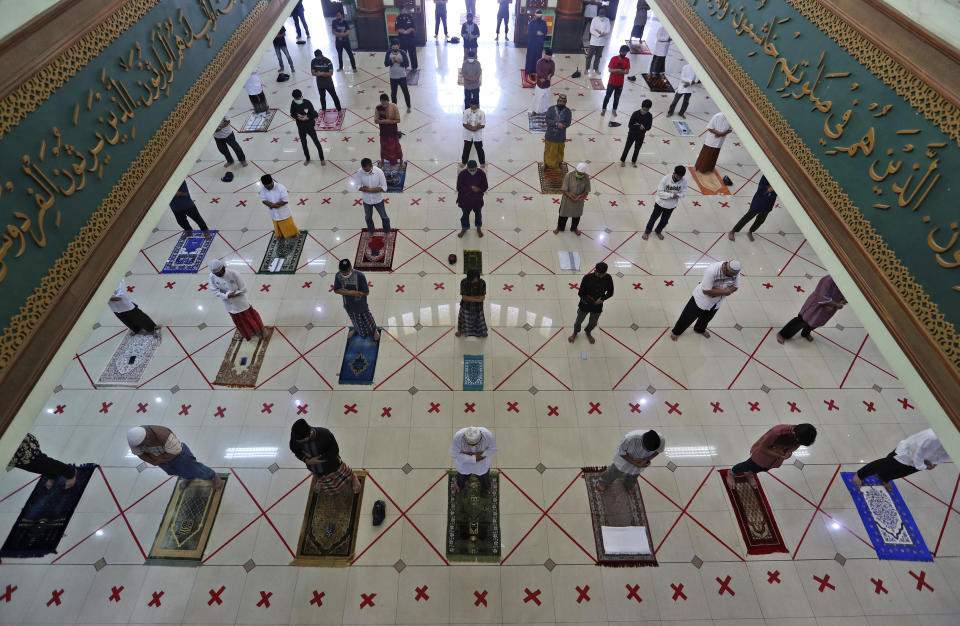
{"x": 612, "y": 474}
{"x": 582, "y": 315}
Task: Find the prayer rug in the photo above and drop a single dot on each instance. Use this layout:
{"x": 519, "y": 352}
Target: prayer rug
{"x": 537, "y": 122}
{"x": 638, "y": 47}
{"x": 597, "y": 85}
{"x": 710, "y": 184}
{"x": 328, "y": 536}
{"x": 283, "y": 255}
{"x": 460, "y": 76}
{"x": 473, "y": 521}
{"x": 551, "y": 178}
{"x": 526, "y": 81}
{"x": 413, "y": 78}
{"x": 658, "y": 84}
{"x": 682, "y": 127}
{"x": 473, "y": 372}
{"x": 126, "y": 366}
{"x": 330, "y": 120}
{"x": 375, "y": 251}
{"x": 396, "y": 175}
{"x": 472, "y": 260}
{"x": 569, "y": 260}
{"x": 359, "y": 360}
{"x": 885, "y": 515}
{"x": 185, "y": 529}
{"x": 188, "y": 253}
{"x": 241, "y": 365}
{"x": 754, "y": 516}
{"x": 45, "y": 516}
{"x": 258, "y": 122}
{"x": 618, "y": 508}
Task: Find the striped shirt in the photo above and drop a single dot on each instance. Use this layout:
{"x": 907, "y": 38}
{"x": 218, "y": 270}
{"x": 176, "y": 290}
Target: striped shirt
{"x": 632, "y": 446}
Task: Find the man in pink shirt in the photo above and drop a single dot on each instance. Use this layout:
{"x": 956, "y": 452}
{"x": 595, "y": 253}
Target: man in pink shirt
{"x": 772, "y": 449}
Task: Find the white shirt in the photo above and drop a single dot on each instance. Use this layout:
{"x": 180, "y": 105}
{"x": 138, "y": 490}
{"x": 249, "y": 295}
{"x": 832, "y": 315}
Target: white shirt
{"x": 667, "y": 188}
{"x": 253, "y": 85}
{"x": 662, "y": 46}
{"x": 467, "y": 464}
{"x": 923, "y": 446}
{"x": 474, "y": 118}
{"x": 125, "y": 303}
{"x": 230, "y": 282}
{"x": 718, "y": 123}
{"x": 590, "y": 10}
{"x": 277, "y": 194}
{"x": 713, "y": 278}
{"x": 632, "y": 446}
{"x": 224, "y": 132}
{"x": 374, "y": 178}
{"x": 600, "y": 25}
{"x": 686, "y": 76}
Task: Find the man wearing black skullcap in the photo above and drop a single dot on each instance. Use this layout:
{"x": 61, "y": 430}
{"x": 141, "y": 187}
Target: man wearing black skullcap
{"x": 317, "y": 447}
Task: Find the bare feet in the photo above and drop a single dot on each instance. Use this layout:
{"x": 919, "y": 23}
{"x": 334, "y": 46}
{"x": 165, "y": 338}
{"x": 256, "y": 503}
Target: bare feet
{"x": 244, "y": 163}
{"x": 856, "y": 481}
{"x": 456, "y": 487}
{"x": 351, "y": 334}
{"x": 807, "y": 337}
{"x": 633, "y": 164}
{"x": 600, "y": 487}
{"x": 752, "y": 479}
{"x": 780, "y": 338}
{"x": 578, "y": 232}
{"x": 462, "y": 233}
{"x": 888, "y": 486}
{"x": 731, "y": 480}
{"x": 322, "y": 162}
{"x": 603, "y": 112}
{"x": 376, "y": 335}
{"x": 356, "y": 484}
{"x": 706, "y": 334}
{"x": 556, "y": 231}
{"x": 623, "y": 163}
{"x": 70, "y": 482}
{"x": 674, "y": 337}
{"x": 660, "y": 236}
{"x": 185, "y": 483}
{"x": 750, "y": 236}
{"x": 457, "y": 334}
{"x": 572, "y": 337}
{"x": 731, "y": 236}
{"x": 479, "y": 232}
{"x": 207, "y": 235}
{"x": 590, "y": 338}
{"x": 49, "y": 484}
{"x": 217, "y": 483}
{"x": 645, "y": 236}
{"x": 307, "y": 162}
{"x": 613, "y": 113}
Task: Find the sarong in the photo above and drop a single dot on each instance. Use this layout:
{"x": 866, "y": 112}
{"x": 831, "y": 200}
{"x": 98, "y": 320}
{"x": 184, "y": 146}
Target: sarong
{"x": 285, "y": 228}
{"x": 553, "y": 153}
{"x": 471, "y": 321}
{"x": 707, "y": 159}
{"x": 390, "y": 149}
{"x": 248, "y": 322}
{"x": 335, "y": 480}
{"x": 541, "y": 100}
{"x": 363, "y": 322}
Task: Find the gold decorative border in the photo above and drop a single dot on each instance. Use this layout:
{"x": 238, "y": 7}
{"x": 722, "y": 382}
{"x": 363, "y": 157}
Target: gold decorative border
{"x": 22, "y": 324}
{"x": 927, "y": 312}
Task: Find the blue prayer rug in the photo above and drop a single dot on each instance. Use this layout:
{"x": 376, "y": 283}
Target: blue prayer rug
{"x": 396, "y": 176}
{"x": 473, "y": 372}
{"x": 885, "y": 515}
{"x": 359, "y": 360}
{"x": 682, "y": 127}
{"x": 188, "y": 253}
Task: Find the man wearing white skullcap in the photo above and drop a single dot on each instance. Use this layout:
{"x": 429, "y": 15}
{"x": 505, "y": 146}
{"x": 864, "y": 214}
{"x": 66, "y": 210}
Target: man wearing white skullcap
{"x": 158, "y": 446}
{"x": 472, "y": 448}
{"x": 229, "y": 287}
{"x": 719, "y": 281}
{"x": 575, "y": 189}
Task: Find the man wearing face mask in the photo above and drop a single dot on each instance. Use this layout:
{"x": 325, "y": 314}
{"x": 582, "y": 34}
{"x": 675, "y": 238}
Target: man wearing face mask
{"x": 575, "y": 189}
{"x": 619, "y": 67}
{"x": 397, "y": 60}
{"x": 470, "y": 33}
{"x": 303, "y": 112}
{"x": 474, "y": 120}
{"x": 472, "y": 74}
{"x": 599, "y": 37}
{"x": 555, "y": 139}
{"x": 672, "y": 187}
{"x": 471, "y": 185}
{"x": 541, "y": 91}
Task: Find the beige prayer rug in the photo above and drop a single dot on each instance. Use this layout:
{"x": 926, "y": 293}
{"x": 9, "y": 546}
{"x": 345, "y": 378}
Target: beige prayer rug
{"x": 618, "y": 508}
{"x": 258, "y": 122}
{"x": 551, "y": 178}
{"x": 710, "y": 184}
{"x": 241, "y": 365}
{"x": 328, "y": 536}
{"x": 187, "y": 522}
{"x": 126, "y": 366}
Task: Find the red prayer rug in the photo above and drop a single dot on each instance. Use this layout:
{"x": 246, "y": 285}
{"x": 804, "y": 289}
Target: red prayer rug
{"x": 330, "y": 120}
{"x": 375, "y": 251}
{"x": 640, "y": 47}
{"x": 527, "y": 81}
{"x": 597, "y": 84}
{"x": 759, "y": 529}
{"x": 710, "y": 184}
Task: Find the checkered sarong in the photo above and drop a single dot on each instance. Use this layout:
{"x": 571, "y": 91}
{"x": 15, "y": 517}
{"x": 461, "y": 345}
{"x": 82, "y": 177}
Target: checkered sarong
{"x": 363, "y": 322}
{"x": 336, "y": 480}
{"x": 471, "y": 321}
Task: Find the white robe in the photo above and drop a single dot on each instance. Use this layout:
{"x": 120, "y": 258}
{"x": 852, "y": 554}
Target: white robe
{"x": 541, "y": 100}
{"x": 230, "y": 281}
{"x": 467, "y": 464}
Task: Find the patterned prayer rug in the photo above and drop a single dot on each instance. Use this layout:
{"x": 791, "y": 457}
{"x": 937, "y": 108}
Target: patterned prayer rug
{"x": 597, "y": 85}
{"x": 537, "y": 122}
{"x": 44, "y": 518}
{"x": 682, "y": 127}
{"x": 658, "y": 84}
{"x": 885, "y": 515}
{"x": 551, "y": 178}
{"x": 460, "y": 76}
{"x": 241, "y": 365}
{"x": 396, "y": 176}
{"x": 527, "y": 81}
{"x": 616, "y": 507}
{"x": 640, "y": 47}
{"x": 283, "y": 255}
{"x": 473, "y": 521}
{"x": 330, "y": 120}
{"x": 258, "y": 122}
{"x": 186, "y": 525}
{"x": 473, "y": 372}
{"x": 375, "y": 252}
{"x": 710, "y": 184}
{"x": 413, "y": 78}
{"x": 188, "y": 253}
{"x": 472, "y": 260}
{"x": 754, "y": 516}
{"x": 126, "y": 366}
{"x": 328, "y": 536}
{"x": 359, "y": 360}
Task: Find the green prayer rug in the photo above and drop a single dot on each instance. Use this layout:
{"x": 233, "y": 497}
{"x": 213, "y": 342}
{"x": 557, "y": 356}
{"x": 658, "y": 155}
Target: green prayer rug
{"x": 187, "y": 522}
{"x": 472, "y": 260}
{"x": 328, "y": 536}
{"x": 473, "y": 521}
{"x": 283, "y": 255}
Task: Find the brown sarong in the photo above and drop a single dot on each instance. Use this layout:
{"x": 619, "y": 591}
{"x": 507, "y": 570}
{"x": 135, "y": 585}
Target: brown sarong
{"x": 336, "y": 480}
{"x": 707, "y": 159}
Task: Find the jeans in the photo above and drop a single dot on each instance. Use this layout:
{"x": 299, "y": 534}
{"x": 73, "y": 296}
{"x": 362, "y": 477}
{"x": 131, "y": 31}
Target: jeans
{"x": 658, "y": 212}
{"x": 470, "y": 96}
{"x": 230, "y": 140}
{"x": 690, "y": 313}
{"x": 343, "y": 44}
{"x": 309, "y": 131}
{"x": 324, "y": 89}
{"x": 581, "y": 315}
{"x": 683, "y": 105}
{"x": 748, "y": 466}
{"x": 484, "y": 480}
{"x": 465, "y": 217}
{"x": 562, "y": 223}
{"x": 368, "y": 216}
{"x": 886, "y": 469}
{"x": 613, "y": 472}
{"x": 632, "y": 140}
{"x": 758, "y": 219}
{"x": 297, "y": 19}
{"x": 615, "y": 90}
{"x": 794, "y": 325}
{"x": 402, "y": 84}
{"x": 187, "y": 467}
{"x": 192, "y": 212}
{"x": 595, "y": 53}
{"x": 466, "y": 151}
{"x": 278, "y": 48}
{"x": 440, "y": 15}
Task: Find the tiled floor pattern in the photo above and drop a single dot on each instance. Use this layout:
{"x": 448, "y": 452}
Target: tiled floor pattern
{"x": 554, "y": 407}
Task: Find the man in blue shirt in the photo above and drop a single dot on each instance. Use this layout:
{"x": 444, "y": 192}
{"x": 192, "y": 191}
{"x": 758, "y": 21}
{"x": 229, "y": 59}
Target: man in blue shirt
{"x": 183, "y": 207}
{"x": 536, "y": 33}
{"x": 760, "y": 207}
{"x": 352, "y": 285}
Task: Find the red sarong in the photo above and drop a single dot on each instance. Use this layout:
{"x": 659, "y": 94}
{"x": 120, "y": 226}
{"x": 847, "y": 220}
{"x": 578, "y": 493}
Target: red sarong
{"x": 248, "y": 322}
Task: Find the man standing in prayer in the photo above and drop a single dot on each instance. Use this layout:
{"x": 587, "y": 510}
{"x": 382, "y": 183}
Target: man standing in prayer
{"x": 640, "y": 122}
{"x": 541, "y": 91}
{"x": 639, "y": 20}
{"x": 575, "y": 189}
{"x": 589, "y": 14}
{"x": 129, "y": 313}
{"x": 473, "y": 291}
{"x": 183, "y": 207}
{"x": 407, "y": 34}
{"x": 352, "y": 285}
{"x": 341, "y": 32}
{"x": 770, "y": 451}
{"x": 387, "y": 117}
{"x": 672, "y": 187}
{"x": 318, "y": 449}
{"x": 619, "y": 66}
{"x": 472, "y": 448}
{"x": 396, "y": 59}
{"x": 816, "y": 311}
{"x": 440, "y": 15}
{"x": 599, "y": 37}
{"x": 920, "y": 451}
{"x": 223, "y": 136}
{"x": 372, "y": 184}
{"x": 760, "y": 207}
{"x": 472, "y": 75}
{"x": 555, "y": 139}
{"x": 30, "y": 458}
{"x": 470, "y": 33}
{"x": 719, "y": 280}
{"x": 536, "y": 33}
{"x": 471, "y": 185}
{"x": 717, "y": 131}
{"x": 280, "y": 46}
{"x": 595, "y": 289}
{"x": 258, "y": 99}
{"x": 157, "y": 445}
{"x": 685, "y": 90}
{"x": 474, "y": 121}
{"x": 658, "y": 64}
{"x": 274, "y": 196}
{"x": 634, "y": 454}
{"x": 229, "y": 287}
{"x": 305, "y": 115}
{"x": 322, "y": 69}
{"x": 471, "y": 6}
{"x": 298, "y": 19}
{"x": 503, "y": 15}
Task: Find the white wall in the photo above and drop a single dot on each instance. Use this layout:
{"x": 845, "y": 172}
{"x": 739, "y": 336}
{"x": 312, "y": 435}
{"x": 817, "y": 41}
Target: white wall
{"x": 940, "y": 17}
{"x": 18, "y": 12}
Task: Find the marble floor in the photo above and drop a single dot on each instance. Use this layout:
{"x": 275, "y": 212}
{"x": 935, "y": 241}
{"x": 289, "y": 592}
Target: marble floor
{"x": 553, "y": 406}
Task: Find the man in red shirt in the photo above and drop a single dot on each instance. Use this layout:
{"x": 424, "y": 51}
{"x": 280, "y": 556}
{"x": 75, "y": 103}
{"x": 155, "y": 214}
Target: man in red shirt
{"x": 772, "y": 449}
{"x": 619, "y": 67}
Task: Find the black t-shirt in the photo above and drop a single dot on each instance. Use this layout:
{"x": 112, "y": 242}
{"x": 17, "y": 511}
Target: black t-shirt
{"x": 639, "y": 117}
{"x": 340, "y": 27}
{"x": 592, "y": 288}
{"x": 322, "y": 64}
{"x": 304, "y": 108}
{"x": 405, "y": 21}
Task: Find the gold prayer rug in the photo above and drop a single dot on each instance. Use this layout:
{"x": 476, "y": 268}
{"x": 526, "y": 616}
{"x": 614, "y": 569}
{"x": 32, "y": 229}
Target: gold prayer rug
{"x": 759, "y": 529}
{"x": 658, "y": 84}
{"x": 551, "y": 178}
{"x": 328, "y": 537}
{"x": 241, "y": 365}
{"x": 710, "y": 184}
{"x": 473, "y": 521}
{"x": 185, "y": 529}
